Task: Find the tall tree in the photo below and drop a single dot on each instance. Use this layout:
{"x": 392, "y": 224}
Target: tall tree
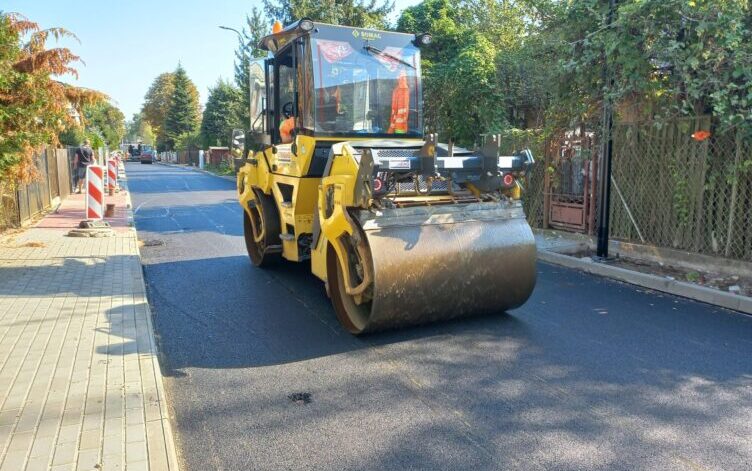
{"x": 256, "y": 28}
{"x": 473, "y": 66}
{"x": 157, "y": 104}
{"x": 138, "y": 129}
{"x": 665, "y": 57}
{"x": 182, "y": 114}
{"x": 106, "y": 120}
{"x": 464, "y": 93}
{"x": 34, "y": 106}
{"x": 220, "y": 114}
{"x": 72, "y": 135}
{"x": 190, "y": 140}
{"x": 359, "y": 13}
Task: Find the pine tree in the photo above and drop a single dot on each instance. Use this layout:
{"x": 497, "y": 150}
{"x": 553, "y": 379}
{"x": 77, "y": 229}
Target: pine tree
{"x": 182, "y": 115}
{"x": 358, "y": 13}
{"x": 220, "y": 114}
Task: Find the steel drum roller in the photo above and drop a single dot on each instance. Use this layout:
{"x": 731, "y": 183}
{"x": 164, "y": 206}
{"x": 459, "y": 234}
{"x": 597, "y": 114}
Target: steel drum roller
{"x": 443, "y": 262}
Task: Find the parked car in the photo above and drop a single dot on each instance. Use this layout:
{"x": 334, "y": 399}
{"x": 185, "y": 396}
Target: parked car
{"x": 147, "y": 155}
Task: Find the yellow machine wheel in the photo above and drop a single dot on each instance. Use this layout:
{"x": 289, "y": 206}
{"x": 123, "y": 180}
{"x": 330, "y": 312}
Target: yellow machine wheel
{"x": 261, "y": 231}
{"x": 352, "y": 316}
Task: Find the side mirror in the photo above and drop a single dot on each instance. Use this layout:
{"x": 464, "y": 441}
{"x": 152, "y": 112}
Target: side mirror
{"x": 528, "y": 161}
{"x": 258, "y": 142}
{"x": 528, "y": 155}
{"x": 237, "y": 143}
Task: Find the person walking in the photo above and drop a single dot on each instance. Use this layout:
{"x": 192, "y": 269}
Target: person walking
{"x": 83, "y": 158}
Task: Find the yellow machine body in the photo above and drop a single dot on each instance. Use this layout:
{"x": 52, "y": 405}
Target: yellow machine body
{"x": 401, "y": 229}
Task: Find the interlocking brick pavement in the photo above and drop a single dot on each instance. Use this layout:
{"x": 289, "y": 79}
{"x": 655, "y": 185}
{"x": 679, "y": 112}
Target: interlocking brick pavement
{"x": 80, "y": 384}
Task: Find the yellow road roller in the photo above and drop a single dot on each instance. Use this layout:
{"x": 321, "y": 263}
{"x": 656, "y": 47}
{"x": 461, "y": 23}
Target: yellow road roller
{"x": 401, "y": 228}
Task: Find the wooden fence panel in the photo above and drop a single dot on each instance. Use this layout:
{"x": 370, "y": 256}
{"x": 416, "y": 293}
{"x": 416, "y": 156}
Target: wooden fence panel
{"x": 22, "y": 200}
{"x": 63, "y": 164}
{"x": 20, "y": 203}
{"x": 8, "y": 205}
{"x": 52, "y": 178}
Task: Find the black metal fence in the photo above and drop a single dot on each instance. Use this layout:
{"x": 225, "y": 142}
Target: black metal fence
{"x": 533, "y": 196}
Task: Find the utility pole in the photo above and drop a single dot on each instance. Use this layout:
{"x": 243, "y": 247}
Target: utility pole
{"x": 606, "y": 148}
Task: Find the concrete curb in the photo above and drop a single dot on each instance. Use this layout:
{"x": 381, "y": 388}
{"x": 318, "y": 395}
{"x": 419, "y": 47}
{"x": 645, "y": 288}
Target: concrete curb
{"x": 128, "y": 203}
{"x": 169, "y": 439}
{"x": 571, "y": 243}
{"x": 658, "y": 283}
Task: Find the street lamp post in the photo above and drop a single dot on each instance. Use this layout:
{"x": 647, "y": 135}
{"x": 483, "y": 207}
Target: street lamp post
{"x": 245, "y": 45}
{"x": 240, "y": 35}
{"x": 606, "y": 149}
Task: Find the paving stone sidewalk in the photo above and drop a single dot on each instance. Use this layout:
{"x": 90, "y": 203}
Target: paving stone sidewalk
{"x": 80, "y": 384}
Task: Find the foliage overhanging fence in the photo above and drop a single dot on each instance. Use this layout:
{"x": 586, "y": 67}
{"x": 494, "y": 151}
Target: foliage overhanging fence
{"x": 681, "y": 193}
{"x": 20, "y": 203}
{"x": 669, "y": 190}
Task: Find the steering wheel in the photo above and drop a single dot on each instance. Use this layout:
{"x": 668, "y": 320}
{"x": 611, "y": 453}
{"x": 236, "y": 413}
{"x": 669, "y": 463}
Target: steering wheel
{"x": 287, "y": 109}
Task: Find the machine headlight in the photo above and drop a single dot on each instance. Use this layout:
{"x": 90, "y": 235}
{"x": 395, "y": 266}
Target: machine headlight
{"x": 306, "y": 24}
{"x": 423, "y": 40}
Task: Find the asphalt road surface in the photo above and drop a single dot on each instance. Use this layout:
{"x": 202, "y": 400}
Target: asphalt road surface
{"x": 589, "y": 374}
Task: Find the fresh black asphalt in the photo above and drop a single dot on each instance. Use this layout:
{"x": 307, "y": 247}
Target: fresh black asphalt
{"x": 589, "y": 374}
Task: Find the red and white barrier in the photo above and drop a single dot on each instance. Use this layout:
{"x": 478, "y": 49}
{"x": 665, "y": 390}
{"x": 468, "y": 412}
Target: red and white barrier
{"x": 112, "y": 174}
{"x": 95, "y": 192}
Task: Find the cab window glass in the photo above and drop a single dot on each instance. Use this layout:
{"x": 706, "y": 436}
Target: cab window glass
{"x": 285, "y": 114}
{"x": 366, "y": 86}
{"x": 305, "y": 87}
{"x": 258, "y": 94}
{"x": 286, "y": 86}
{"x": 271, "y": 105}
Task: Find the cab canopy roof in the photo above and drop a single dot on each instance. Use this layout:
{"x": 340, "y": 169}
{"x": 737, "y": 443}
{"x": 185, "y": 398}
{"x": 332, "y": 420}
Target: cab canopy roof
{"x": 277, "y": 41}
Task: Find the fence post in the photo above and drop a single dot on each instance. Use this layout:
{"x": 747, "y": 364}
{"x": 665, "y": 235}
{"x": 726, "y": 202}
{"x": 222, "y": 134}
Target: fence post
{"x": 734, "y": 194}
{"x": 47, "y": 169}
{"x": 546, "y": 182}
{"x": 593, "y": 187}
{"x": 18, "y": 204}
{"x": 700, "y": 208}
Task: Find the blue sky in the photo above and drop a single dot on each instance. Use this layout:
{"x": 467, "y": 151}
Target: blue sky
{"x": 125, "y": 44}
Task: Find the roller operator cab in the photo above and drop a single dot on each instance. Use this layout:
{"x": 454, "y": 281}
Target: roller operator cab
{"x": 402, "y": 229}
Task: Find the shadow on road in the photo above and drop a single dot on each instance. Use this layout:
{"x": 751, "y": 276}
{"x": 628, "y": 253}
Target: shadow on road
{"x": 588, "y": 374}
{"x": 261, "y": 317}
{"x": 561, "y": 383}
